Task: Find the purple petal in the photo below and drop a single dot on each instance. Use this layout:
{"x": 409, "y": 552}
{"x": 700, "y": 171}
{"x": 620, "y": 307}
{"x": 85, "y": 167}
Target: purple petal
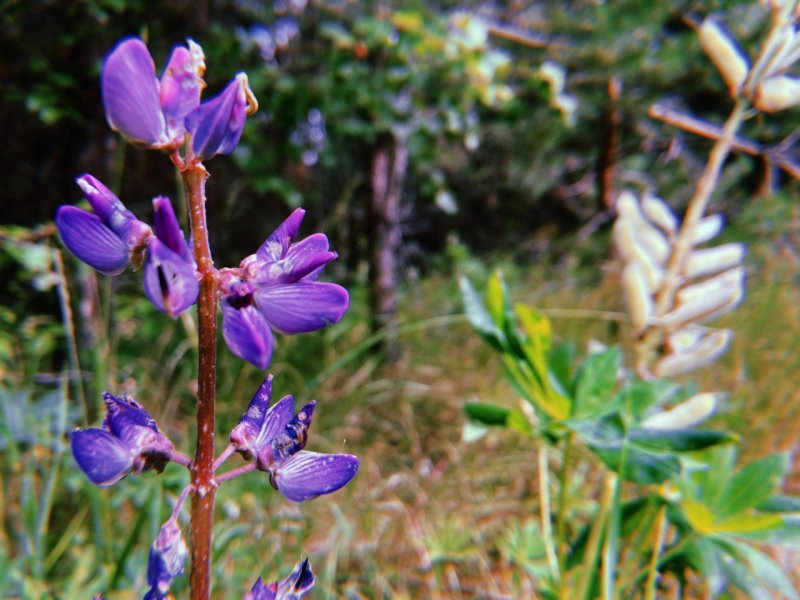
{"x": 288, "y": 442}
{"x": 247, "y": 334}
{"x": 180, "y": 90}
{"x": 100, "y": 455}
{"x": 302, "y": 306}
{"x": 307, "y": 475}
{"x": 166, "y": 560}
{"x": 277, "y": 244}
{"x": 128, "y": 421}
{"x": 91, "y": 241}
{"x": 217, "y": 124}
{"x": 244, "y": 435}
{"x": 130, "y": 94}
{"x": 170, "y": 281}
{"x": 262, "y": 591}
{"x": 298, "y": 583}
{"x": 302, "y": 259}
{"x": 167, "y": 228}
{"x": 104, "y": 202}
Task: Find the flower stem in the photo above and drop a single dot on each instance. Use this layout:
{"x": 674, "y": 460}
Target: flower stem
{"x": 660, "y": 531}
{"x": 236, "y": 472}
{"x": 203, "y": 484}
{"x": 546, "y": 515}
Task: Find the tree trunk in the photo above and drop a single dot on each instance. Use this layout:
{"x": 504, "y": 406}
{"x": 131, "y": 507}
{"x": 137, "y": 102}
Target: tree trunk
{"x": 387, "y": 175}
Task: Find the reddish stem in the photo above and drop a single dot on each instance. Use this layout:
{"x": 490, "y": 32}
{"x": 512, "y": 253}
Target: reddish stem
{"x": 203, "y": 483}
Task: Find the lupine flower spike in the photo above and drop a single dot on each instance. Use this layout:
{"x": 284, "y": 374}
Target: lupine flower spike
{"x": 276, "y": 288}
{"x": 275, "y": 439}
{"x": 293, "y": 587}
{"x": 128, "y": 442}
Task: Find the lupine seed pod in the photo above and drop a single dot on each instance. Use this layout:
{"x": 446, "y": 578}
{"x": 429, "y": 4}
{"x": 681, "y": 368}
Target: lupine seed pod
{"x": 705, "y": 352}
{"x": 707, "y": 229}
{"x": 640, "y": 302}
{"x": 687, "y": 414}
{"x": 710, "y": 261}
{"x": 632, "y": 251}
{"x": 725, "y": 53}
{"x": 777, "y": 93}
{"x": 659, "y": 213}
{"x": 703, "y": 307}
{"x": 730, "y": 280}
{"x": 684, "y": 338}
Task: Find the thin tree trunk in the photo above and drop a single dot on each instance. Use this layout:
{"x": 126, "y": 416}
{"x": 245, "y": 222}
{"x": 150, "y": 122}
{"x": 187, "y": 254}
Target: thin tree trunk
{"x": 388, "y": 173}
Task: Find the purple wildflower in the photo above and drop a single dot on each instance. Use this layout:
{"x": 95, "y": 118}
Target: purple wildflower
{"x": 107, "y": 239}
{"x": 143, "y": 109}
{"x": 276, "y": 288}
{"x": 165, "y": 561}
{"x": 128, "y": 442}
{"x": 293, "y": 587}
{"x": 112, "y": 237}
{"x": 277, "y": 440}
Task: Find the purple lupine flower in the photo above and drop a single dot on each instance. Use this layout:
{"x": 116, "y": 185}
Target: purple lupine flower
{"x": 107, "y": 239}
{"x": 293, "y": 587}
{"x": 170, "y": 280}
{"x": 276, "y": 288}
{"x": 143, "y": 109}
{"x": 166, "y": 560}
{"x": 128, "y": 442}
{"x": 276, "y": 440}
{"x": 217, "y": 124}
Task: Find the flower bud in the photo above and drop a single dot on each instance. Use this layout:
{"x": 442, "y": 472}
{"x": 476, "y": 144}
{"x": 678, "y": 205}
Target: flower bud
{"x": 777, "y": 93}
{"x": 166, "y": 560}
{"x": 640, "y": 302}
{"x": 217, "y": 124}
{"x": 659, "y": 213}
{"x": 709, "y": 261}
{"x": 725, "y": 53}
{"x": 707, "y": 229}
{"x": 632, "y": 250}
{"x": 706, "y": 351}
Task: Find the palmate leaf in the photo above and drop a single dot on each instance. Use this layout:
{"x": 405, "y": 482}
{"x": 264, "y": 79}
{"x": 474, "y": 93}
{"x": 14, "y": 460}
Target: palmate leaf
{"x": 595, "y": 382}
{"x": 494, "y": 415}
{"x": 754, "y": 484}
{"x": 753, "y": 571}
{"x": 480, "y": 318}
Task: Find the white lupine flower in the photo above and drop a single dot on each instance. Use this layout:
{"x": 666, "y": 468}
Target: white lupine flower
{"x": 660, "y": 214}
{"x": 632, "y": 250}
{"x": 707, "y": 229}
{"x": 777, "y": 93}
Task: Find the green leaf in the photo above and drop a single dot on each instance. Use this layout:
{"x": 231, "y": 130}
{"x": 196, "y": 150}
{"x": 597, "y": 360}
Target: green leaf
{"x": 488, "y": 414}
{"x": 595, "y": 383}
{"x": 679, "y": 440}
{"x": 560, "y": 364}
{"x": 479, "y": 317}
{"x": 497, "y": 302}
{"x": 755, "y": 570}
{"x": 751, "y": 486}
{"x": 637, "y": 396}
{"x": 780, "y": 504}
{"x": 749, "y": 522}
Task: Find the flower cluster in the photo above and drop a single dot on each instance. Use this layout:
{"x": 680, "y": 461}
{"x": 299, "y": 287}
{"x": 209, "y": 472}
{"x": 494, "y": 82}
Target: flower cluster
{"x": 276, "y": 288}
{"x": 160, "y": 113}
{"x": 111, "y": 238}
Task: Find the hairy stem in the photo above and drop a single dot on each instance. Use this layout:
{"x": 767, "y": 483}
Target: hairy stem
{"x": 203, "y": 483}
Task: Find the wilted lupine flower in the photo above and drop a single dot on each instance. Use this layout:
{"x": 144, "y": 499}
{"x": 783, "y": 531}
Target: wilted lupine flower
{"x": 276, "y": 441}
{"x": 107, "y": 239}
{"x": 169, "y": 271}
{"x": 166, "y": 560}
{"x": 276, "y": 288}
{"x": 146, "y": 110}
{"x": 128, "y": 442}
{"x": 293, "y": 587}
